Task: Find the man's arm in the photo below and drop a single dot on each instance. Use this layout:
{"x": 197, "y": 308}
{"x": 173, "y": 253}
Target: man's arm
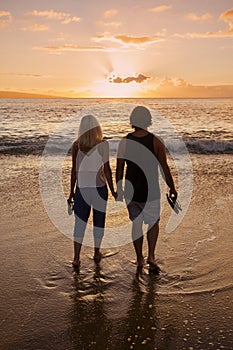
{"x": 107, "y": 168}
{"x": 160, "y": 152}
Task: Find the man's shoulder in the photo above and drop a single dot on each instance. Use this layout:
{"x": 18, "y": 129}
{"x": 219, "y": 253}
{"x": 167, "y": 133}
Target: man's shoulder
{"x": 157, "y": 139}
{"x": 158, "y": 144}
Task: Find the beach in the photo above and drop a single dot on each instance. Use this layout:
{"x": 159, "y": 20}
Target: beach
{"x": 78, "y": 79}
{"x": 45, "y": 304}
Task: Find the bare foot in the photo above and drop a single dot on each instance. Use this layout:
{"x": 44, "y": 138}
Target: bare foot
{"x": 76, "y": 263}
{"x": 140, "y": 262}
{"x": 98, "y": 257}
{"x": 153, "y": 266}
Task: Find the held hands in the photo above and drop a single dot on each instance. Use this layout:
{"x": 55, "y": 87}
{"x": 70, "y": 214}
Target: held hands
{"x": 120, "y": 192}
{"x": 114, "y": 194}
{"x": 120, "y": 196}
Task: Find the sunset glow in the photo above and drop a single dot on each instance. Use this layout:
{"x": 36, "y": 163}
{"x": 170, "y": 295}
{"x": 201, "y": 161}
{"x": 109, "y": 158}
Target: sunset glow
{"x": 107, "y": 89}
{"x": 118, "y": 49}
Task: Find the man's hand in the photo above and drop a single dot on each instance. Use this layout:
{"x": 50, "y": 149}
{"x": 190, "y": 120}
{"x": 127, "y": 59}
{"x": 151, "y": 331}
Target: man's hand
{"x": 173, "y": 194}
{"x": 120, "y": 196}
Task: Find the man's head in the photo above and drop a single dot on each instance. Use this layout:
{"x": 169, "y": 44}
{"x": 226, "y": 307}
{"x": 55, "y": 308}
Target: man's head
{"x": 140, "y": 117}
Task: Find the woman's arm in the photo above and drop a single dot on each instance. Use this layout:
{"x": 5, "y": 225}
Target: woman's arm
{"x": 107, "y": 168}
{"x": 108, "y": 175}
{"x": 73, "y": 170}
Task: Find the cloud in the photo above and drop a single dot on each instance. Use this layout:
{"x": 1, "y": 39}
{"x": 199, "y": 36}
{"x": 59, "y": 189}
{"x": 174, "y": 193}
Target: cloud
{"x": 128, "y": 40}
{"x": 36, "y": 28}
{"x": 5, "y": 19}
{"x": 161, "y": 8}
{"x": 139, "y": 79}
{"x": 110, "y": 13}
{"x": 136, "y": 40}
{"x": 194, "y": 17}
{"x": 66, "y": 47}
{"x": 29, "y": 75}
{"x": 64, "y": 17}
{"x": 227, "y": 17}
{"x": 110, "y": 24}
{"x": 179, "y": 88}
{"x": 26, "y": 75}
{"x": 219, "y": 34}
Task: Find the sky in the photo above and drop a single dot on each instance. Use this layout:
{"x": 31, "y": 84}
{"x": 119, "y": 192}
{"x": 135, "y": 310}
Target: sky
{"x": 130, "y": 48}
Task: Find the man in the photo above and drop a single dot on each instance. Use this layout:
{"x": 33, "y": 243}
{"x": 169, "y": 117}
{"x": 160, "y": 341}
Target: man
{"x": 143, "y": 153}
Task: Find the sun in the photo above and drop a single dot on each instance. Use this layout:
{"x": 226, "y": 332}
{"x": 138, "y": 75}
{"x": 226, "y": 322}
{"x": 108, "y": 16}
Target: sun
{"x": 108, "y": 89}
{"x": 116, "y": 77}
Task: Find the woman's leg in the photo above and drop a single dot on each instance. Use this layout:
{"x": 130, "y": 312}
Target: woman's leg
{"x": 79, "y": 229}
{"x": 99, "y": 215}
{"x": 82, "y": 212}
{"x": 77, "y": 249}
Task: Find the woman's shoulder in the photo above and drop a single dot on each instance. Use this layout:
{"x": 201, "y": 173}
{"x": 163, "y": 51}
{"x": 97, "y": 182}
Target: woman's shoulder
{"x": 75, "y": 147}
{"x": 103, "y": 144}
{"x": 75, "y": 143}
{"x": 103, "y": 148}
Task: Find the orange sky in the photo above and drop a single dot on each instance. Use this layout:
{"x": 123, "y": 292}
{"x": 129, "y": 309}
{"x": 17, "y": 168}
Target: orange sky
{"x": 117, "y": 49}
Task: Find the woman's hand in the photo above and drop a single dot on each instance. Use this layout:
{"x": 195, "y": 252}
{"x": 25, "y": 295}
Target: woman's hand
{"x": 120, "y": 195}
{"x": 114, "y": 194}
{"x": 71, "y": 197}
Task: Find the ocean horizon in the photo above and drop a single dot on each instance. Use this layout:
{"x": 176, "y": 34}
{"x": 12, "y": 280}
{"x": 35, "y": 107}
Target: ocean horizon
{"x": 204, "y": 124}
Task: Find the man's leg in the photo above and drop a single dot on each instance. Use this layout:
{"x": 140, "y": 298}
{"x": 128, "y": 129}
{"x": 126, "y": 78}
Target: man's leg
{"x": 152, "y": 236}
{"x": 137, "y": 236}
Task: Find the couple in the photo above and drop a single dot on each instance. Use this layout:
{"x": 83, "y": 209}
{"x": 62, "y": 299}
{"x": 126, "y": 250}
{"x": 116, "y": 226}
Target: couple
{"x": 142, "y": 153}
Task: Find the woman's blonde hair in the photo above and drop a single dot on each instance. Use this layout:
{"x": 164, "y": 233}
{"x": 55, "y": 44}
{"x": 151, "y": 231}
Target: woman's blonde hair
{"x": 90, "y": 133}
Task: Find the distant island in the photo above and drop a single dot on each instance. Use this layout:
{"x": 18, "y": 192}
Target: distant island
{"x": 198, "y": 92}
{"x": 16, "y": 94}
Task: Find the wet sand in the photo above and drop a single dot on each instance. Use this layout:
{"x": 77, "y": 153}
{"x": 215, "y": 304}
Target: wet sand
{"x": 45, "y": 304}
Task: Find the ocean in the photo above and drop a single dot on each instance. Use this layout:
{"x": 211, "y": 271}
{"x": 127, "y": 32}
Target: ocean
{"x": 45, "y": 304}
{"x": 204, "y": 124}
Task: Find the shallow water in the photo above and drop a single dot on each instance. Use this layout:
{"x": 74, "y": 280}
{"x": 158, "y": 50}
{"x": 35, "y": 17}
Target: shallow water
{"x": 45, "y": 304}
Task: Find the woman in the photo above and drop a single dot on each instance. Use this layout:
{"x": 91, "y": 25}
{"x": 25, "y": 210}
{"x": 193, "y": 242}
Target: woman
{"x": 90, "y": 174}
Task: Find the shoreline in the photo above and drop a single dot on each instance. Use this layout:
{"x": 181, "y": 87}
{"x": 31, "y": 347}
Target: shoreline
{"x": 45, "y": 304}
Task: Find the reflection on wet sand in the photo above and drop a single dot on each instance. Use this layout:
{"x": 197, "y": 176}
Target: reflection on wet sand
{"x": 93, "y": 328}
{"x": 90, "y": 327}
